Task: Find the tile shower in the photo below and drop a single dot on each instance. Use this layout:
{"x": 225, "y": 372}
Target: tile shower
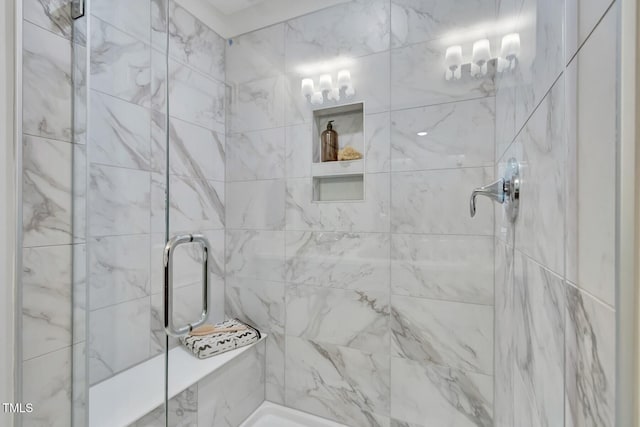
{"x": 399, "y": 310}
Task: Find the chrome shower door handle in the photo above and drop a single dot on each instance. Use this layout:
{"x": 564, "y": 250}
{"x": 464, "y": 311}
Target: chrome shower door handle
{"x": 504, "y": 191}
{"x": 169, "y": 250}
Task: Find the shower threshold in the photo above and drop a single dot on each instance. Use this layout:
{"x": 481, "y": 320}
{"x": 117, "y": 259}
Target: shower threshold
{"x": 271, "y": 415}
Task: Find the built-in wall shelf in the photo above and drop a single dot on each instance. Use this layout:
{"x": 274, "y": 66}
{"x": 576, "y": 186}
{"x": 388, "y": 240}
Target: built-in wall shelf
{"x": 341, "y": 168}
{"x": 339, "y": 180}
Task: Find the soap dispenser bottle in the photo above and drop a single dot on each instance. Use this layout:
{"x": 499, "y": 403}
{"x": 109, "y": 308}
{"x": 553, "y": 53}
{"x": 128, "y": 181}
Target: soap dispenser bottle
{"x": 329, "y": 143}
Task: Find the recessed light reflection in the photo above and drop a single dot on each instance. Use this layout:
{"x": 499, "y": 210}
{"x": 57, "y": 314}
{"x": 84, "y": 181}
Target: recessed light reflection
{"x": 423, "y": 133}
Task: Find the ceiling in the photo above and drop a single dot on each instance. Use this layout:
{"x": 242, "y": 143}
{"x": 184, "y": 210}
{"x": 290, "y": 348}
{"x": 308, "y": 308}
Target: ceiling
{"x": 230, "y": 18}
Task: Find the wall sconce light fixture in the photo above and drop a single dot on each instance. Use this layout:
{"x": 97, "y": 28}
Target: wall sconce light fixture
{"x": 326, "y": 91}
{"x": 481, "y": 56}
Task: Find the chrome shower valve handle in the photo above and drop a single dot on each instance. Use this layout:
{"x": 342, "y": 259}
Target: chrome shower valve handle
{"x": 505, "y": 190}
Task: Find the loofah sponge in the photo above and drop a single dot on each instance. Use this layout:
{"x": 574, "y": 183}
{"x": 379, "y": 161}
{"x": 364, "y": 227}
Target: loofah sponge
{"x": 349, "y": 153}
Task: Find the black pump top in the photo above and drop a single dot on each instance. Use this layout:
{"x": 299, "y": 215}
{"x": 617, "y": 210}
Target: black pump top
{"x": 329, "y": 125}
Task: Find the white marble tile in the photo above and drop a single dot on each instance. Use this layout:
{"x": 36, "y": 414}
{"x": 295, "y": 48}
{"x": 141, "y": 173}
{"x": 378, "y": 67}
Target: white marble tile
{"x": 438, "y": 202}
{"x": 194, "y": 151}
{"x": 119, "y": 132}
{"x": 256, "y": 301}
{"x": 581, "y": 18}
{"x": 504, "y": 335}
{"x": 119, "y": 201}
{"x": 300, "y": 211}
{"x": 539, "y": 326}
{"x": 47, "y": 90}
{"x": 183, "y": 411}
{"x": 52, "y": 15}
{"x": 541, "y": 149}
{"x": 191, "y": 41}
{"x": 47, "y": 385}
{"x": 193, "y": 97}
{"x": 338, "y": 260}
{"x": 228, "y": 396}
{"x": 118, "y": 269}
{"x": 79, "y": 297}
{"x": 256, "y": 155}
{"x": 79, "y": 385}
{"x": 454, "y": 268}
{"x": 414, "y": 21}
{"x": 47, "y": 182}
{"x": 336, "y": 382}
{"x": 254, "y": 254}
{"x": 354, "y": 319}
{"x": 353, "y": 29}
{"x": 541, "y": 58}
{"x": 118, "y": 338}
{"x": 459, "y": 134}
{"x": 448, "y": 334}
{"x": 79, "y": 191}
{"x": 258, "y": 104}
{"x": 46, "y": 296}
{"x": 592, "y": 126}
{"x": 590, "y": 361}
{"x": 436, "y": 396}
{"x": 256, "y": 204}
{"x": 275, "y": 368}
{"x": 418, "y": 77}
{"x": 120, "y": 64}
{"x": 298, "y": 150}
{"x": 370, "y": 77}
{"x": 80, "y": 87}
{"x": 194, "y": 205}
{"x": 131, "y": 17}
{"x": 256, "y": 55}
{"x": 377, "y": 133}
{"x": 505, "y": 122}
{"x": 369, "y": 215}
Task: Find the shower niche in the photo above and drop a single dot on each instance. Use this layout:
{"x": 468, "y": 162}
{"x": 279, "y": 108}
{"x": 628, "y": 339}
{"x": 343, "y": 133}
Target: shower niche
{"x": 339, "y": 180}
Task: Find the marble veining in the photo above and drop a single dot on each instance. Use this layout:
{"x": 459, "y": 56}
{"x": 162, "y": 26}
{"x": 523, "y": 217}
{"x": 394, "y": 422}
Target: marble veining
{"x": 590, "y": 361}
{"x": 256, "y": 204}
{"x": 256, "y": 155}
{"x": 47, "y": 192}
{"x": 443, "y": 333}
{"x": 255, "y": 254}
{"x": 120, "y": 132}
{"x": 120, "y": 64}
{"x": 46, "y": 295}
{"x": 257, "y": 302}
{"x": 338, "y": 260}
{"x": 131, "y": 17}
{"x": 354, "y": 319}
{"x": 47, "y": 87}
{"x": 337, "y": 382}
{"x": 454, "y": 268}
{"x": 539, "y": 331}
{"x": 414, "y": 21}
{"x": 425, "y": 395}
{"x": 190, "y": 40}
{"x": 54, "y": 15}
{"x": 353, "y": 29}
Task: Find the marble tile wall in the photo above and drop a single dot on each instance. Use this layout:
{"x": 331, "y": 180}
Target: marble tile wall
{"x": 49, "y": 244}
{"x": 93, "y": 192}
{"x": 555, "y": 281}
{"x": 357, "y": 296}
{"x": 127, "y": 159}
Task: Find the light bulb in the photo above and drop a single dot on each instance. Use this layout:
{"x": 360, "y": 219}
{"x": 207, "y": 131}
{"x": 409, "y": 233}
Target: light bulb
{"x": 326, "y": 83}
{"x": 510, "y": 46}
{"x": 344, "y": 79}
{"x": 307, "y": 87}
{"x": 334, "y": 95}
{"x": 453, "y": 57}
{"x": 481, "y": 52}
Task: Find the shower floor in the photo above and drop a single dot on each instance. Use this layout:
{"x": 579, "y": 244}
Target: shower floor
{"x": 271, "y": 415}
